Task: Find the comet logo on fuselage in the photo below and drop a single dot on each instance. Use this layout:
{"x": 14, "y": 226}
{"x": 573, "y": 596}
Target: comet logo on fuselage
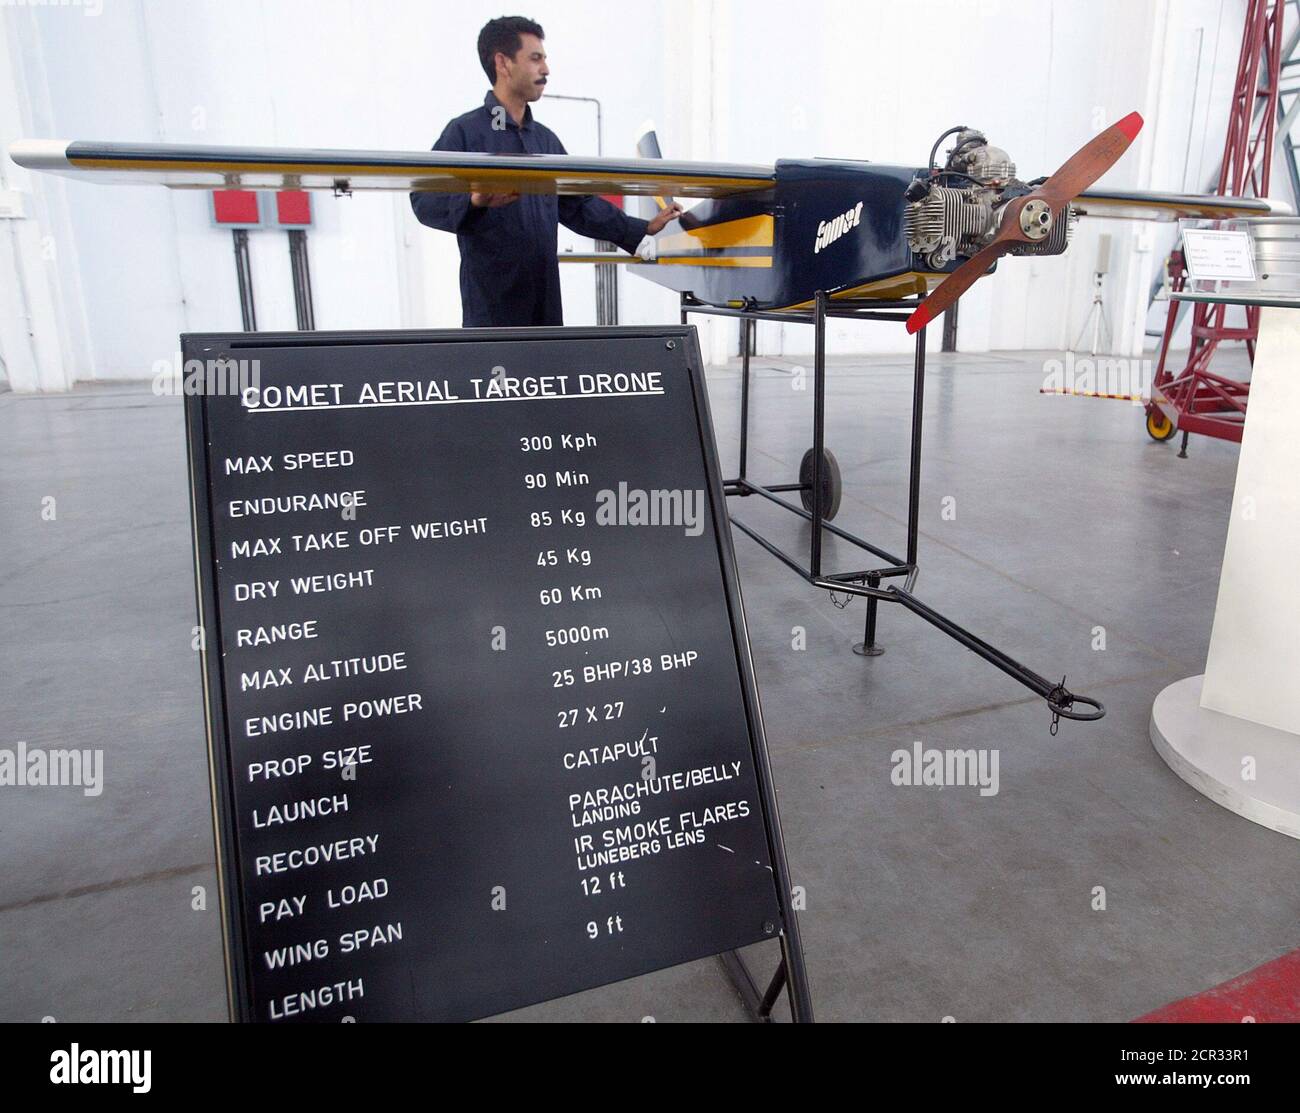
{"x": 828, "y": 231}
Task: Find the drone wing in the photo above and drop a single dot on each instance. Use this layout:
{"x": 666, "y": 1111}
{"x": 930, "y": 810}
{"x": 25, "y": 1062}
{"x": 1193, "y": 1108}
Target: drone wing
{"x": 1142, "y": 205}
{"x": 185, "y": 167}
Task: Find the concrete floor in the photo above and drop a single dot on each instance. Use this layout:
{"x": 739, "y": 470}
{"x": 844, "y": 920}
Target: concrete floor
{"x": 922, "y": 902}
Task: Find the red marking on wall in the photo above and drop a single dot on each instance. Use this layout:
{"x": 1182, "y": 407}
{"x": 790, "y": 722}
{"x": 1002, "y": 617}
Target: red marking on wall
{"x": 235, "y": 206}
{"x": 293, "y": 207}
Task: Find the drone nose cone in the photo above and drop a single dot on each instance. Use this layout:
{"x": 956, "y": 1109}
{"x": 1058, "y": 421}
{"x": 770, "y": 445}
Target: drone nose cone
{"x": 1131, "y": 125}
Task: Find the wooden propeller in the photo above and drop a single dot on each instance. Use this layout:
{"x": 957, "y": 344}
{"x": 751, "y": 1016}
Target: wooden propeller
{"x": 1025, "y": 219}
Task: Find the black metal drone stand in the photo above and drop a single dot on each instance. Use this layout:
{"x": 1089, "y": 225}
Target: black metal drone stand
{"x": 818, "y": 490}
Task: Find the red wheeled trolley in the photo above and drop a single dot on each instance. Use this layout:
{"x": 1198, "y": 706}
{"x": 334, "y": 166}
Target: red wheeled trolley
{"x": 1195, "y": 399}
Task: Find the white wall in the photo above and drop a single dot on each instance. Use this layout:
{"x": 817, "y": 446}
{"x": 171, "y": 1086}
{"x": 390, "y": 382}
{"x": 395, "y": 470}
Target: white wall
{"x": 43, "y": 333}
{"x": 324, "y": 73}
{"x": 880, "y": 80}
{"x": 742, "y": 80}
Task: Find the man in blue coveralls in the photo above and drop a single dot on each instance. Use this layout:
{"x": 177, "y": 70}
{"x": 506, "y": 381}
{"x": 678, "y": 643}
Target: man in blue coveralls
{"x": 508, "y": 241}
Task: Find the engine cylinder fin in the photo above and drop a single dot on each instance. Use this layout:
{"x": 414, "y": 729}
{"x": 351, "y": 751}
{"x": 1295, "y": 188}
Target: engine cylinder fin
{"x": 947, "y": 222}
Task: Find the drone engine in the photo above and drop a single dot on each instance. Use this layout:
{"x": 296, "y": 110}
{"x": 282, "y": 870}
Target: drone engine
{"x": 958, "y": 209}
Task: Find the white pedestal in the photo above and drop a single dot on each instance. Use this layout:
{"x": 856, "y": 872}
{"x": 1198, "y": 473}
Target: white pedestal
{"x": 1253, "y": 670}
{"x": 1241, "y": 720}
{"x": 1210, "y": 751}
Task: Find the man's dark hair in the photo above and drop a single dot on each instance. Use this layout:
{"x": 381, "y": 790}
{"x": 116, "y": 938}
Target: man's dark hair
{"x": 501, "y": 36}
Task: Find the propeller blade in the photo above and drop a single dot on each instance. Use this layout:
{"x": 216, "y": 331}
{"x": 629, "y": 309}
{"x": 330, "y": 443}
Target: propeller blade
{"x": 956, "y": 284}
{"x": 1078, "y": 172}
{"x": 1090, "y": 162}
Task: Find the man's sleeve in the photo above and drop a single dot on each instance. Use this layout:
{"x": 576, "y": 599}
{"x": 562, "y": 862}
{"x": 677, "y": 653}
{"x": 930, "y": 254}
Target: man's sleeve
{"x": 597, "y": 218}
{"x": 450, "y": 212}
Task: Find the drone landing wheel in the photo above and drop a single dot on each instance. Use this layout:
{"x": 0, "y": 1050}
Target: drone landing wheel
{"x": 832, "y": 488}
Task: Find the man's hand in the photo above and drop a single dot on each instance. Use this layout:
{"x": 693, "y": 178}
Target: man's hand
{"x": 662, "y": 217}
{"x": 492, "y": 200}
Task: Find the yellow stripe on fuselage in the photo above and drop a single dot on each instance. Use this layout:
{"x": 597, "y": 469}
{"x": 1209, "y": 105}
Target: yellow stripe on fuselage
{"x": 715, "y": 260}
{"x": 750, "y": 231}
{"x": 609, "y": 259}
{"x": 885, "y": 289}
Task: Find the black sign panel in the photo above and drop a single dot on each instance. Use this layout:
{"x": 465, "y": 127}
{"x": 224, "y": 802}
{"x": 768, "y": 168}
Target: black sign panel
{"x": 481, "y": 713}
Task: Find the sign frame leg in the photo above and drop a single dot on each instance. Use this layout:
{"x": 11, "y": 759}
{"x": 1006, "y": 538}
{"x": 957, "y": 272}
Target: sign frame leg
{"x": 791, "y": 974}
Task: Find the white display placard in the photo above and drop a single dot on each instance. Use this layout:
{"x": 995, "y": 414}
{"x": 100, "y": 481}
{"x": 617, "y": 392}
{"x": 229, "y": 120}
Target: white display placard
{"x": 1219, "y": 256}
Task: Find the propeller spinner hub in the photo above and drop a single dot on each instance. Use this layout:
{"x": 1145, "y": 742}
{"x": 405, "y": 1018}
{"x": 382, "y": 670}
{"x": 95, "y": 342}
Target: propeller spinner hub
{"x": 1036, "y": 219}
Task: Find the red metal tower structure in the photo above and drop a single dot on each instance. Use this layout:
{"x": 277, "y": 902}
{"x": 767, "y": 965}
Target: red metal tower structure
{"x": 1195, "y": 399}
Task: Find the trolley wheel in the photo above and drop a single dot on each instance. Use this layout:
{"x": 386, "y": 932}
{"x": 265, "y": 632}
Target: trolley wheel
{"x": 1159, "y": 427}
{"x": 832, "y": 488}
